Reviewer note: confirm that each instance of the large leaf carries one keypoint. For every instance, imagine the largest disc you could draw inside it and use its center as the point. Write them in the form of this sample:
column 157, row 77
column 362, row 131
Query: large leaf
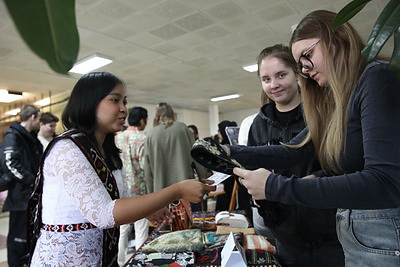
column 349, row 11
column 387, row 23
column 48, row 27
column 395, row 61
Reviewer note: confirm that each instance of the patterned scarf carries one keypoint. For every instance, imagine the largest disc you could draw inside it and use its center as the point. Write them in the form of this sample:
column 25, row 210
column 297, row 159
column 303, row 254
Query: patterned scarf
column 110, row 236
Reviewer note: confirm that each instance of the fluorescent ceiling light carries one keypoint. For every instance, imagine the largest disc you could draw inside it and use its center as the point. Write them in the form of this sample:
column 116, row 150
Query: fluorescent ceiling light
column 13, row 112
column 9, row 96
column 89, row 64
column 225, row 97
column 251, row 68
column 43, row 102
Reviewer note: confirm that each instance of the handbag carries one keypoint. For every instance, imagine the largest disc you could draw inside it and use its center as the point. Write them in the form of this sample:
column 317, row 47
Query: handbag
column 183, row 215
column 211, row 155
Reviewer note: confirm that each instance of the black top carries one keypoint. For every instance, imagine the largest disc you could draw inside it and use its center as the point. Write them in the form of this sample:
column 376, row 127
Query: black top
column 22, row 152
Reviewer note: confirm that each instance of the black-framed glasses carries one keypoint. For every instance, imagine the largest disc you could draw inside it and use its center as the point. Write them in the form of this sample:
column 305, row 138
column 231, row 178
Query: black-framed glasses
column 305, row 63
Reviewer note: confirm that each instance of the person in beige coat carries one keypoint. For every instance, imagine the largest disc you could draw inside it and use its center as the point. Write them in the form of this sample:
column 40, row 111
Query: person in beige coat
column 167, row 151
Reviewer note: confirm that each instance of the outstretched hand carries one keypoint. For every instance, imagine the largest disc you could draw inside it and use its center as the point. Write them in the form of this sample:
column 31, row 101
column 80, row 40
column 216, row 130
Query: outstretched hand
column 193, row 190
column 254, row 181
column 161, row 217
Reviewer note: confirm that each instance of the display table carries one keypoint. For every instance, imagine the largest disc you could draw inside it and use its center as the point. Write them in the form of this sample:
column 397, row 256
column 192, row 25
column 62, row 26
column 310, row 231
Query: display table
column 209, row 256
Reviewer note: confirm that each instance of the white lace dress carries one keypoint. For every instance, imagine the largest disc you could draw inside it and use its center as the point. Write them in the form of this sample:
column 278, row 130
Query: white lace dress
column 72, row 194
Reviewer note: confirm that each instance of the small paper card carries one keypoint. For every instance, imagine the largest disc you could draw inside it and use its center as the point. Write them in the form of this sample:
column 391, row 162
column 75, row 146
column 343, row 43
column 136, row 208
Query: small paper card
column 218, row 177
column 233, row 254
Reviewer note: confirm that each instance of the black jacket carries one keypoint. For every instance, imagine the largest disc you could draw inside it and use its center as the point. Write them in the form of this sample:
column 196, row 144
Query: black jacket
column 294, row 224
column 22, row 152
column 266, row 130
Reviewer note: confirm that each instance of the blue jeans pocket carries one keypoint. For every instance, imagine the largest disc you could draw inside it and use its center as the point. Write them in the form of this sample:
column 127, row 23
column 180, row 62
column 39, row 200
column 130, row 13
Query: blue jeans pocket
column 370, row 237
column 376, row 234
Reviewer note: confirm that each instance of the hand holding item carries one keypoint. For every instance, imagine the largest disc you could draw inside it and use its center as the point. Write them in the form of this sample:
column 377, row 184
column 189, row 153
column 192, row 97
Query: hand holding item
column 254, row 181
column 161, row 217
column 193, row 190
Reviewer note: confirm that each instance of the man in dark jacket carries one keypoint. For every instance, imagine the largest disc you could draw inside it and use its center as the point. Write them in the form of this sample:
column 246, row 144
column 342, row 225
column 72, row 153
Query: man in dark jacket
column 22, row 152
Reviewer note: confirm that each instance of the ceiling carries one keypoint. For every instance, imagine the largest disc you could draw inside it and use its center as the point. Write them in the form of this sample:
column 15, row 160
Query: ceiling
column 182, row 52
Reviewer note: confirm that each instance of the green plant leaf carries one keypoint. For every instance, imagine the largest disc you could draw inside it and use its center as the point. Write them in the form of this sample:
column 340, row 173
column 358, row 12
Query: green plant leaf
column 395, row 60
column 49, row 28
column 349, row 11
column 387, row 23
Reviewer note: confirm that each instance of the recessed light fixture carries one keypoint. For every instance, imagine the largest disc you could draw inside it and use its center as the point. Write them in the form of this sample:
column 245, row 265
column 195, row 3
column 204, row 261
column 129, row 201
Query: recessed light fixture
column 251, row 68
column 12, row 112
column 9, row 96
column 225, row 97
column 91, row 63
column 43, row 102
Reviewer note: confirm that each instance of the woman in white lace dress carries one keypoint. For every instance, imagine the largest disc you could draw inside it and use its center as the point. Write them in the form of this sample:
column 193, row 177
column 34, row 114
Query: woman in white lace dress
column 81, row 209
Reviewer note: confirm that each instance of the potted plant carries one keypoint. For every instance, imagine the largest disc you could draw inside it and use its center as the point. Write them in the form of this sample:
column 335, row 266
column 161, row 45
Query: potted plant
column 387, row 24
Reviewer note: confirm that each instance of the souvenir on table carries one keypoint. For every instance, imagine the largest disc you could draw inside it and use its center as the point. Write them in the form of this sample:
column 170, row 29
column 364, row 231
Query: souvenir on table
column 261, row 258
column 211, row 155
column 204, row 220
column 258, row 242
column 231, row 219
column 183, row 259
column 254, row 257
column 178, row 241
column 183, row 215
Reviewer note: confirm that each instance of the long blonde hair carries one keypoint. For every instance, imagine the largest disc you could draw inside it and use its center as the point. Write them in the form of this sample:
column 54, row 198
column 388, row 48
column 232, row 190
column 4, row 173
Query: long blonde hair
column 325, row 108
column 164, row 115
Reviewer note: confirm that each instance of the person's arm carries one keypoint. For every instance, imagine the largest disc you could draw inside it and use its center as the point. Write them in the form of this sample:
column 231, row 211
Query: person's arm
column 13, row 166
column 132, row 209
column 89, row 195
column 275, row 156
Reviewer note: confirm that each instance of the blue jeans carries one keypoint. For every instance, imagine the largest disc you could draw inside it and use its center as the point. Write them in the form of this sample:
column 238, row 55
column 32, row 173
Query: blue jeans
column 369, row 237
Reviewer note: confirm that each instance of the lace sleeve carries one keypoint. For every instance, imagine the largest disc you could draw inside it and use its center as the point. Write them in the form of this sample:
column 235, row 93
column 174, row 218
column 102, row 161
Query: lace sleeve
column 82, row 184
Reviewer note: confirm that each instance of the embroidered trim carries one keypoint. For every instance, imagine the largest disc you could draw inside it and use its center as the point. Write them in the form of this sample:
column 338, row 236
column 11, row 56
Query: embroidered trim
column 68, row 227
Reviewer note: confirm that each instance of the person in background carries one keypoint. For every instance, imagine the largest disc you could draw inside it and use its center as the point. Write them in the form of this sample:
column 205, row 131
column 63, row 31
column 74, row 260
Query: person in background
column 248, row 121
column 303, row 236
column 22, row 151
column 351, row 110
column 194, row 130
column 222, row 136
column 81, row 182
column 223, row 200
column 167, row 151
column 131, row 142
column 47, row 131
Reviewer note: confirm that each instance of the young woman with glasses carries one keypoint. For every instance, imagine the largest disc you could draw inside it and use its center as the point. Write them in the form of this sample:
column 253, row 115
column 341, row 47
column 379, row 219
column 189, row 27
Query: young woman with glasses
column 351, row 110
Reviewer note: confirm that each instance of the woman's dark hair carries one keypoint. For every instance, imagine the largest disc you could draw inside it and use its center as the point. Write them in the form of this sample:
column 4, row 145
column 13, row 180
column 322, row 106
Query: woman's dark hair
column 221, row 128
column 80, row 112
column 136, row 114
column 195, row 130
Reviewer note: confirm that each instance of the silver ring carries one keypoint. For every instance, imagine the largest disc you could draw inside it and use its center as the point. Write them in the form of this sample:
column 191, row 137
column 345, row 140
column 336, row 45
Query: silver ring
column 240, row 180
